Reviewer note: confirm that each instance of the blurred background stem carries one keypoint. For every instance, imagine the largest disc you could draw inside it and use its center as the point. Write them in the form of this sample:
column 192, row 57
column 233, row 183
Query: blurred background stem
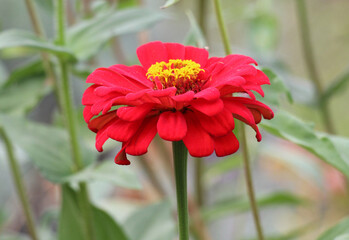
column 34, row 18
column 19, row 185
column 243, row 143
column 180, row 155
column 311, row 65
column 68, row 112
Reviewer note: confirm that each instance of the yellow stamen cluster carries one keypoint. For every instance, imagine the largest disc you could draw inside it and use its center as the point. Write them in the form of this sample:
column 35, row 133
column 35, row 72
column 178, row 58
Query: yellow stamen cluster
column 182, row 74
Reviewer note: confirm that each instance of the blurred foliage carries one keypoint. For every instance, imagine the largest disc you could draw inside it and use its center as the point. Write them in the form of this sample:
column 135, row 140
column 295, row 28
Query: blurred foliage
column 111, row 31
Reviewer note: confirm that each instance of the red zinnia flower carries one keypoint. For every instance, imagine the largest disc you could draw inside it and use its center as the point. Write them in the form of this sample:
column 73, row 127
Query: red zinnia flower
column 179, row 93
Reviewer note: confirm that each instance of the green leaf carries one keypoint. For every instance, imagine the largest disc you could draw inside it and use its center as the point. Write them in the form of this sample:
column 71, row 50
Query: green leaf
column 289, row 127
column 276, row 89
column 22, row 97
column 338, row 230
column 195, row 36
column 86, row 38
column 20, row 38
column 71, row 220
column 239, row 205
column 169, row 3
column 48, row 147
column 154, row 222
column 110, row 172
column 223, row 166
column 342, row 237
column 338, row 85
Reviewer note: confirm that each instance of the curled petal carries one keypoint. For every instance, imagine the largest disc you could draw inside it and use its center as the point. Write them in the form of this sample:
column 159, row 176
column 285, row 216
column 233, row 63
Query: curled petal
column 209, row 94
column 99, row 122
column 121, row 158
column 123, row 131
column 172, row 126
column 219, row 124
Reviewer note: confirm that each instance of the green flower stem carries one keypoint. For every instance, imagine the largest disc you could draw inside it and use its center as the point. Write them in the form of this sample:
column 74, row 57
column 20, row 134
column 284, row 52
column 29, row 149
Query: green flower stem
column 180, row 154
column 310, row 62
column 19, row 185
column 199, row 188
column 40, row 32
column 67, row 107
column 243, row 143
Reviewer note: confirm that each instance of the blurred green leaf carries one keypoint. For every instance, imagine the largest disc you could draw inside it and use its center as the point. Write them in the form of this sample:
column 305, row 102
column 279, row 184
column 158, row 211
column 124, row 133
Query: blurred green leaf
column 274, row 90
column 71, row 221
column 32, row 69
column 154, row 222
column 110, row 172
column 343, row 237
column 20, row 38
column 86, row 38
column 195, row 37
column 46, row 4
column 263, row 29
column 289, row 127
column 222, row 166
column 169, row 3
column 20, row 98
column 338, row 85
column 47, row 146
column 338, row 230
column 239, row 204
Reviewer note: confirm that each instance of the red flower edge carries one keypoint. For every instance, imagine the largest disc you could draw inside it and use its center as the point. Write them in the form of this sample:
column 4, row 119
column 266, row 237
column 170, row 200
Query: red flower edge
column 179, row 93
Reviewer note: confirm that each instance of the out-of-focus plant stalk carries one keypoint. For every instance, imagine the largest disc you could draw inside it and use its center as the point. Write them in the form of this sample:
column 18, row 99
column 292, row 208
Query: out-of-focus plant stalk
column 311, row 65
column 243, row 142
column 180, row 155
column 40, row 33
column 67, row 105
column 19, row 185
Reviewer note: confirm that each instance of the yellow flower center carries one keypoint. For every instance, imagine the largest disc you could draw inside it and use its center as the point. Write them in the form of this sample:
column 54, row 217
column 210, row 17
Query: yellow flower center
column 182, row 74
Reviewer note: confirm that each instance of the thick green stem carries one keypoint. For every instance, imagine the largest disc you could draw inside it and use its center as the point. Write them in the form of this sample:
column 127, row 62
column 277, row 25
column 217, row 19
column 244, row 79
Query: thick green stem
column 180, row 154
column 19, row 185
column 202, row 6
column 68, row 111
column 199, row 188
column 311, row 65
column 243, row 143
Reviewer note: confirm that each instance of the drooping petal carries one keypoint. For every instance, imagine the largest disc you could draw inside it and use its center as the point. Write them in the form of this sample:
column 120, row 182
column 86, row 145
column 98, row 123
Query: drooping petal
column 210, row 108
column 152, row 52
column 226, row 145
column 261, row 107
column 87, row 113
column 134, row 113
column 121, row 158
column 102, row 137
column 123, row 131
column 138, row 145
column 198, row 55
column 197, row 140
column 172, row 126
column 217, row 125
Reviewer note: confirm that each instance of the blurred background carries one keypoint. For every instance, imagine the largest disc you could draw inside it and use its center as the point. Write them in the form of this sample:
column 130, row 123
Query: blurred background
column 299, row 195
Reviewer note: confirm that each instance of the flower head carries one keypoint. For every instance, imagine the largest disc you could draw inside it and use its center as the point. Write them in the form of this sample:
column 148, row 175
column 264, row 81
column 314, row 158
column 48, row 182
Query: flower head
column 179, row 93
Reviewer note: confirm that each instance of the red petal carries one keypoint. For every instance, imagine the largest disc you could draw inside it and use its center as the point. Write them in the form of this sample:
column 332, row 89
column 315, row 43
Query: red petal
column 152, row 52
column 110, row 78
column 197, row 140
column 99, row 122
column 123, row 131
column 175, row 50
column 101, row 137
column 87, row 114
column 261, row 107
column 210, row 108
column 134, row 113
column 172, row 126
column 237, row 108
column 138, row 145
column 226, row 145
column 198, row 55
column 209, row 94
column 121, row 158
column 185, row 97
column 219, row 124
column 136, row 73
